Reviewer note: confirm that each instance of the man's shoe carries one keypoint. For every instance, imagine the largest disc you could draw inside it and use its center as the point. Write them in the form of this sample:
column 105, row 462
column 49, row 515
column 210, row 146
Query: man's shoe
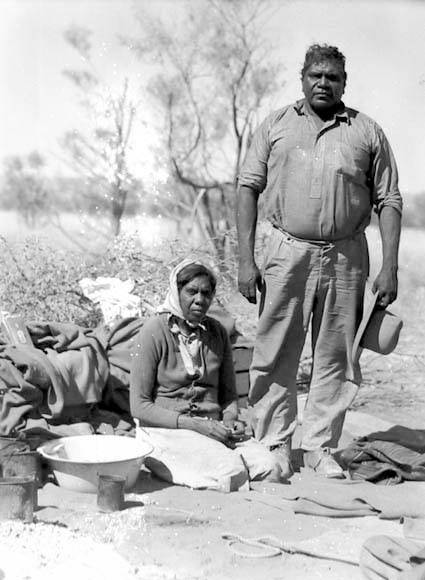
column 282, row 453
column 322, row 462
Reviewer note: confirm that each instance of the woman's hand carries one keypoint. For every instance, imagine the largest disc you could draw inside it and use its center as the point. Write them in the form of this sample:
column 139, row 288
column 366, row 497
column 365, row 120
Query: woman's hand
column 208, row 427
column 215, row 430
column 212, row 428
column 236, row 429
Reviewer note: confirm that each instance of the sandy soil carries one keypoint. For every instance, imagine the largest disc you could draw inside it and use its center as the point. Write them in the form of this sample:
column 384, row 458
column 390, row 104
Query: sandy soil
column 168, row 532
column 174, row 533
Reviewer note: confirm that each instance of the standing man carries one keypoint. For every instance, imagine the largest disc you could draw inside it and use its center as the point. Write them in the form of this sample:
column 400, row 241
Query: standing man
column 321, row 168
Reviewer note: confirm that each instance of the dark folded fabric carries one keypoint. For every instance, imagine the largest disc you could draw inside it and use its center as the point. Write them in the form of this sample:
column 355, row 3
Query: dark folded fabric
column 119, row 343
column 69, row 374
column 66, row 368
column 413, row 439
column 383, row 462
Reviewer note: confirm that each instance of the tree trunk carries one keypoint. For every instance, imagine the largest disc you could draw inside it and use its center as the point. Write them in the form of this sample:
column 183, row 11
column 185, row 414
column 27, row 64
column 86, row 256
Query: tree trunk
column 118, row 204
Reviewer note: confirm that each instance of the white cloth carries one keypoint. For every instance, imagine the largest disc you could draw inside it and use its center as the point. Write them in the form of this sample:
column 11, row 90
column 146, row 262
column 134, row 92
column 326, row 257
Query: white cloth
column 171, row 302
column 188, row 458
column 114, row 297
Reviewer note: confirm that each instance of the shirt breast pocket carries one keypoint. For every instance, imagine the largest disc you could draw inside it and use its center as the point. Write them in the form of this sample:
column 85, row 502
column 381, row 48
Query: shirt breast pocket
column 352, row 161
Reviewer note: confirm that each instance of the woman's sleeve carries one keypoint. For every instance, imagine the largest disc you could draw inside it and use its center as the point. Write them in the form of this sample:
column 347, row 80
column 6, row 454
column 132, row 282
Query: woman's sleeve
column 150, row 344
column 227, row 385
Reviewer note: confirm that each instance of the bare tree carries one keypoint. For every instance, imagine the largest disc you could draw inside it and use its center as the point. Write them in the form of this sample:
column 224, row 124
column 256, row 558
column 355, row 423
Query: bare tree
column 27, row 189
column 215, row 73
column 101, row 152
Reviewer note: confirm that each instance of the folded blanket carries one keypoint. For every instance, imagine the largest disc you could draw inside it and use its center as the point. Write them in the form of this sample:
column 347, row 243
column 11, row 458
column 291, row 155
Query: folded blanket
column 309, row 494
column 119, row 343
column 18, row 396
column 66, row 368
column 413, row 439
column 382, row 461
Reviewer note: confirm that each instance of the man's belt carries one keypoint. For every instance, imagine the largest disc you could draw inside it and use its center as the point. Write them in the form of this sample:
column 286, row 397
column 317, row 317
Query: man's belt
column 320, row 243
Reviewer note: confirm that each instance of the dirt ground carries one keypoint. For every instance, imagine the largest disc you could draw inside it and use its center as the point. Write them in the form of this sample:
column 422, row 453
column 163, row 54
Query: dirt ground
column 175, row 533
column 169, row 532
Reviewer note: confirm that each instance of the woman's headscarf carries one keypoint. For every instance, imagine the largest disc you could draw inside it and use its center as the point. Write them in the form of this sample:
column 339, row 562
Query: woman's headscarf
column 189, row 340
column 172, row 300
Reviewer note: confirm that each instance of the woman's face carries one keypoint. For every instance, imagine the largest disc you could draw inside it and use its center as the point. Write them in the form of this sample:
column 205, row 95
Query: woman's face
column 195, row 298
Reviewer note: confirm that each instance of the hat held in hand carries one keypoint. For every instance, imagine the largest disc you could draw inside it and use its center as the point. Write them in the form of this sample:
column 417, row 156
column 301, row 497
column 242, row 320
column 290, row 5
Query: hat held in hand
column 379, row 330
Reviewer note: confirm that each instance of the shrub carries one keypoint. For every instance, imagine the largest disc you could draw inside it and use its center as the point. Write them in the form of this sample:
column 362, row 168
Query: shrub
column 40, row 282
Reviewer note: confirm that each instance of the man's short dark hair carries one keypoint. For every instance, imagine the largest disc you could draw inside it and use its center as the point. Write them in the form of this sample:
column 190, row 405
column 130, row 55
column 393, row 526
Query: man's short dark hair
column 321, row 52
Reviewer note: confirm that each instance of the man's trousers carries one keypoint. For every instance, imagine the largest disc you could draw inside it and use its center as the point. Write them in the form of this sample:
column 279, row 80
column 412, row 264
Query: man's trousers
column 303, row 281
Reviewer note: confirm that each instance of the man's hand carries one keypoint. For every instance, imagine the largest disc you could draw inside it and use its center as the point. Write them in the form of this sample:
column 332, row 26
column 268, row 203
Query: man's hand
column 385, row 285
column 249, row 280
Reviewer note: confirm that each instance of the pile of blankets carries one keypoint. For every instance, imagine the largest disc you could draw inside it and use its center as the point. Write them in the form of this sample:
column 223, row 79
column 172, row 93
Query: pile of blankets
column 69, row 370
column 386, row 457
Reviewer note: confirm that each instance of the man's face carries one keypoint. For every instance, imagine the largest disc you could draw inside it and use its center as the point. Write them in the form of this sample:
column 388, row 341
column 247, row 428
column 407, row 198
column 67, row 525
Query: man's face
column 323, row 84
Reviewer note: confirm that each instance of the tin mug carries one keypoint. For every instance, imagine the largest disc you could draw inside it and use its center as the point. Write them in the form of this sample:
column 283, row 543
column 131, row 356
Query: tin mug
column 110, row 493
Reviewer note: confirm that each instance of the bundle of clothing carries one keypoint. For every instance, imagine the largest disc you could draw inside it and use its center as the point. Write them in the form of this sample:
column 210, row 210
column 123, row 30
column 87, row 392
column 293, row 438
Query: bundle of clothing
column 67, row 372
column 386, row 457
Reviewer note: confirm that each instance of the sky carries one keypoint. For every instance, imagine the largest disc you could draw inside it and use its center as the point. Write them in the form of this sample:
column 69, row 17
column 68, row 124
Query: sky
column 383, row 41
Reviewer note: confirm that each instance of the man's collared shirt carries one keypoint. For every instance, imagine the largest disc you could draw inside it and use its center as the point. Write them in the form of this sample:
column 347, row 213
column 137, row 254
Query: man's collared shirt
column 321, row 181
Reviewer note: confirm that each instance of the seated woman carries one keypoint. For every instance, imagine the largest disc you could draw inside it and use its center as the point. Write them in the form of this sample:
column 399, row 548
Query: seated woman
column 183, row 377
